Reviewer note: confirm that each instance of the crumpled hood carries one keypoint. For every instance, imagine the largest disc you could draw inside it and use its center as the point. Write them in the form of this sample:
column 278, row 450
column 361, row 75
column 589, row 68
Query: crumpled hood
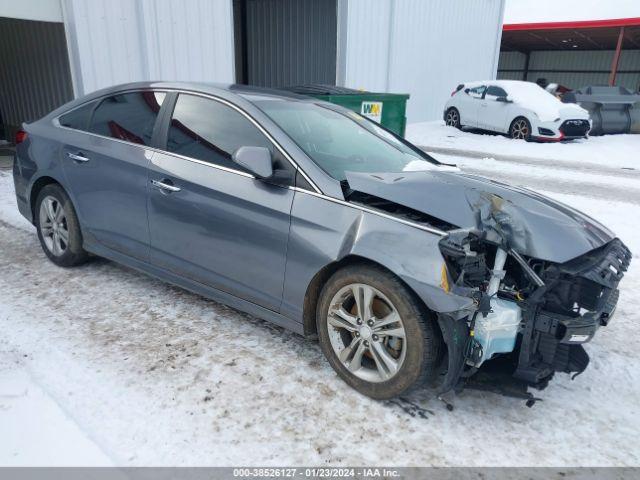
column 531, row 224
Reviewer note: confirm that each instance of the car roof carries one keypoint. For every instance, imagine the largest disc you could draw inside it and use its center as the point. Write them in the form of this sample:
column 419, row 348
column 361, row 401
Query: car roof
column 249, row 92
column 241, row 95
column 497, row 83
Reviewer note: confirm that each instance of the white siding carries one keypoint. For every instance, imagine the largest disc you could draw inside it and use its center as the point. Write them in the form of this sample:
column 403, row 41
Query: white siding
column 424, row 48
column 41, row 10
column 128, row 40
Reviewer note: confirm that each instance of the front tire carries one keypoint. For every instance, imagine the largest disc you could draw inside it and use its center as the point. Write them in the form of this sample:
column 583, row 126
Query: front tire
column 375, row 333
column 520, row 129
column 452, row 118
column 58, row 227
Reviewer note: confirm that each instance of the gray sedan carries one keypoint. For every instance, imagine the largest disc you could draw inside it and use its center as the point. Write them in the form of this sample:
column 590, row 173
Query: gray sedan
column 321, row 221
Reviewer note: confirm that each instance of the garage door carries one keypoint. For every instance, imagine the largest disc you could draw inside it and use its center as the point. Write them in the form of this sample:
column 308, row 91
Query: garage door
column 34, row 71
column 285, row 42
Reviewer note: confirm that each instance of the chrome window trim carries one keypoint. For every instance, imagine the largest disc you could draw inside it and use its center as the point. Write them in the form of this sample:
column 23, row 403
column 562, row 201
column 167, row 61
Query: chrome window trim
column 372, row 211
column 164, row 152
column 56, row 122
column 318, row 193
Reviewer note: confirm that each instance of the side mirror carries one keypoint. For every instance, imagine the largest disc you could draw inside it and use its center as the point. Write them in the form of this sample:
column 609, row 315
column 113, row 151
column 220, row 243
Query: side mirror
column 504, row 99
column 255, row 159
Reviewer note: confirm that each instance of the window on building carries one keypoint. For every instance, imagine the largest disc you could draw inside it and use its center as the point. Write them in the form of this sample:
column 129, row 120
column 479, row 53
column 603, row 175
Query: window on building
column 129, row 116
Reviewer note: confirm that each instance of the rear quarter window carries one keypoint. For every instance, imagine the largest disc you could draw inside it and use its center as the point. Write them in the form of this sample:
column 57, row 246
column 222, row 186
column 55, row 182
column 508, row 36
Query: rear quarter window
column 78, row 119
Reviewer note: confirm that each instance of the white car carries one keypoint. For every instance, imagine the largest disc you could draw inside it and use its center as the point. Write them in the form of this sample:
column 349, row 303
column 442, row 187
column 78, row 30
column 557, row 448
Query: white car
column 522, row 110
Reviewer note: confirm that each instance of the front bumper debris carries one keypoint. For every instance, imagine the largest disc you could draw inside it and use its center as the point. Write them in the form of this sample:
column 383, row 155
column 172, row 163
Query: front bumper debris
column 564, row 307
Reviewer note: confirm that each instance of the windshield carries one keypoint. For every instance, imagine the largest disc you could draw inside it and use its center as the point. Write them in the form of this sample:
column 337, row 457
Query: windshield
column 341, row 141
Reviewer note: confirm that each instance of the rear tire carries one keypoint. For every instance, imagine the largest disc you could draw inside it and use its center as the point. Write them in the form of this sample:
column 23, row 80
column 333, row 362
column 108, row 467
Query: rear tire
column 520, row 129
column 58, row 227
column 452, row 118
column 387, row 354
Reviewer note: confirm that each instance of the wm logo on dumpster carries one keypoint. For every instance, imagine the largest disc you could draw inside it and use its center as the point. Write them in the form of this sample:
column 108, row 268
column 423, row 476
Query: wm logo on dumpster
column 372, row 110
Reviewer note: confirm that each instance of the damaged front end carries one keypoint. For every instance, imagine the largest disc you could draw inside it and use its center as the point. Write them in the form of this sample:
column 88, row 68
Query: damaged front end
column 532, row 315
column 542, row 276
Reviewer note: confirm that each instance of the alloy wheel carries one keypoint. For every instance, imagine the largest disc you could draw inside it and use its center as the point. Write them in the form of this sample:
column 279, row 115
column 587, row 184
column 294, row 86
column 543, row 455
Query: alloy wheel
column 366, row 332
column 53, row 226
column 520, row 130
column 452, row 119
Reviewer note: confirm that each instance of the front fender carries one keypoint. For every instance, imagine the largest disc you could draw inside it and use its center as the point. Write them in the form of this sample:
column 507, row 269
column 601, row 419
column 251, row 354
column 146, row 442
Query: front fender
column 324, row 232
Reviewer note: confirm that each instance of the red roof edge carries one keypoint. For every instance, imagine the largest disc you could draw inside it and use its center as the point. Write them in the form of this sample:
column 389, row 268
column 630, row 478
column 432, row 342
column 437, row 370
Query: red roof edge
column 614, row 22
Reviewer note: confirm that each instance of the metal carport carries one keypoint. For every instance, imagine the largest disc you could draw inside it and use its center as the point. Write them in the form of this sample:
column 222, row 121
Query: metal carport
column 574, row 53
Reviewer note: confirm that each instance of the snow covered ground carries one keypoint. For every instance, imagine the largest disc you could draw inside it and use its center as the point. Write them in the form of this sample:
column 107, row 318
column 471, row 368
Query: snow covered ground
column 136, row 372
column 621, row 151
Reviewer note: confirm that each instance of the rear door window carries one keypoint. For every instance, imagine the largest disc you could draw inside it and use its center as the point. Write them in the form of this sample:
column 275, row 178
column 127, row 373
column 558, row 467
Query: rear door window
column 494, row 92
column 476, row 92
column 128, row 116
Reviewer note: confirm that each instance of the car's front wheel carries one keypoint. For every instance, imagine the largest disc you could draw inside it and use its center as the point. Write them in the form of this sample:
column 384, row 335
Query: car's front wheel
column 375, row 333
column 520, row 129
column 58, row 227
column 452, row 118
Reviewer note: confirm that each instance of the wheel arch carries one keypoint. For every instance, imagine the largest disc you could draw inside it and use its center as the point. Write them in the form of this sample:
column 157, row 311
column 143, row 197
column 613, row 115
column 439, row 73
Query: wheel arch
column 319, row 280
column 37, row 187
column 518, row 116
column 457, row 109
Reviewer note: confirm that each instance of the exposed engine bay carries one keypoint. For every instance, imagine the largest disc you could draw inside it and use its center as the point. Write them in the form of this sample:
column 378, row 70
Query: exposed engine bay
column 535, row 314
column 543, row 278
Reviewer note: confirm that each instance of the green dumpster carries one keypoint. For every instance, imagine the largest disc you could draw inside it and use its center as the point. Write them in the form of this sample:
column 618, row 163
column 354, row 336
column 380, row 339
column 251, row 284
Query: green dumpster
column 387, row 109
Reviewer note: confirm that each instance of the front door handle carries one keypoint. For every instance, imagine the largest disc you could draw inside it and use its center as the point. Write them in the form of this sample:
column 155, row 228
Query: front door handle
column 77, row 157
column 161, row 184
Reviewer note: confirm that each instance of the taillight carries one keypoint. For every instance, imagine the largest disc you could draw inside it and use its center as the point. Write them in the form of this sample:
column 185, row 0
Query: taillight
column 21, row 136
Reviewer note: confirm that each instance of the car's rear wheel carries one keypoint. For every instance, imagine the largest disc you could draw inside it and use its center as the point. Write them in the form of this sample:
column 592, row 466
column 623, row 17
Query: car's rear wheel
column 58, row 227
column 375, row 333
column 520, row 129
column 452, row 118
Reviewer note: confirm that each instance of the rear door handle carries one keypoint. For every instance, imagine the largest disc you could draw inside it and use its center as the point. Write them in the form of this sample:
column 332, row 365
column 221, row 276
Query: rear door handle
column 77, row 157
column 161, row 184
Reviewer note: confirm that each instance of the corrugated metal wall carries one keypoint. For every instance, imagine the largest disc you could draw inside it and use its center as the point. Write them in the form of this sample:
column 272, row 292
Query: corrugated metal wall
column 128, row 40
column 34, row 70
column 573, row 69
column 290, row 42
column 424, row 48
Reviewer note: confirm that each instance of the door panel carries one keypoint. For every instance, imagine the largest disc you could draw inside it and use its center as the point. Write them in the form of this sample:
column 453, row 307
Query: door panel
column 109, row 190
column 493, row 114
column 221, row 228
column 470, row 101
column 209, row 219
column 105, row 159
